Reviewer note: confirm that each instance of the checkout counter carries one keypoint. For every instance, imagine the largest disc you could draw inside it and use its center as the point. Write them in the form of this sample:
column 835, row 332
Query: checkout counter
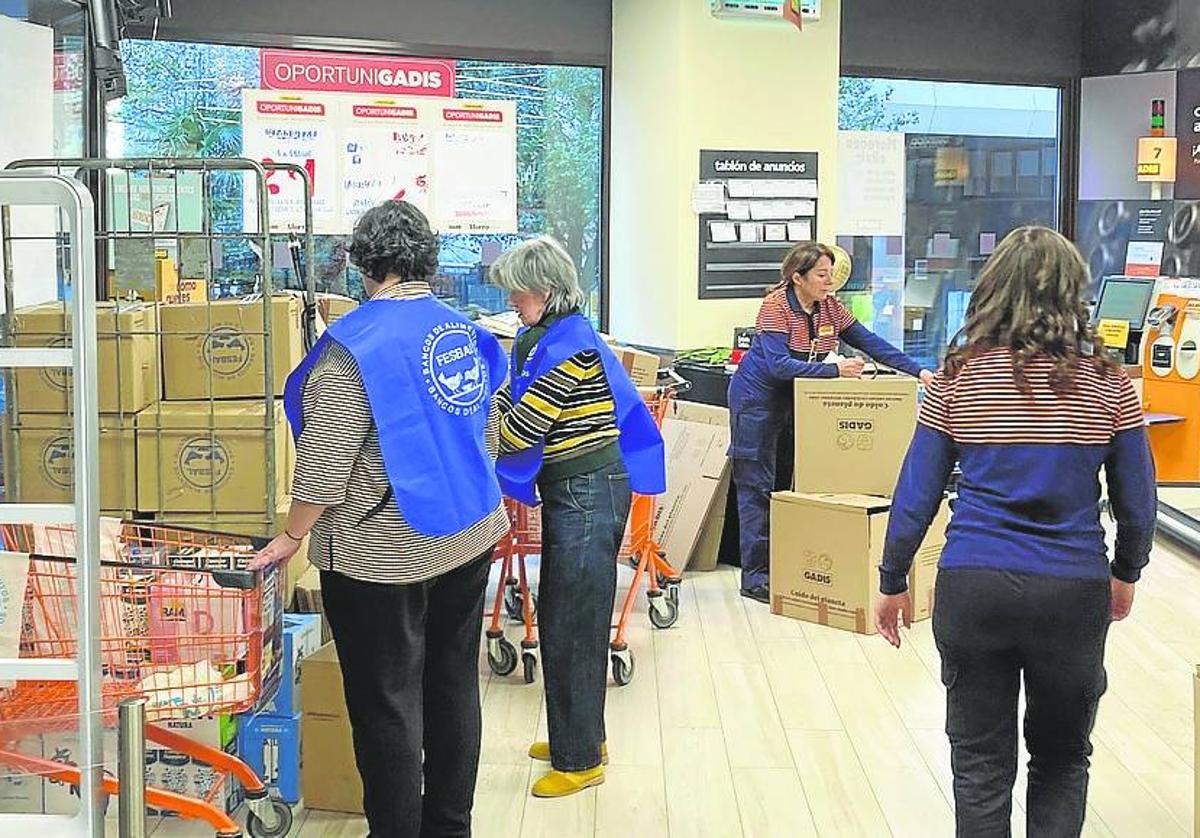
column 1160, row 322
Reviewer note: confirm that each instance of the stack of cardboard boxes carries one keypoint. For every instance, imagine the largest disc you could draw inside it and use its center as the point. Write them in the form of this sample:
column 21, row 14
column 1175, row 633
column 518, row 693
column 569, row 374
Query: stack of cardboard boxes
column 827, row 535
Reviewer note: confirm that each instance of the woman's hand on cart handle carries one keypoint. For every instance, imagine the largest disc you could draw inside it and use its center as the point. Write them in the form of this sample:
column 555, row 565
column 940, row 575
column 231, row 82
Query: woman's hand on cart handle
column 926, row 377
column 281, row 548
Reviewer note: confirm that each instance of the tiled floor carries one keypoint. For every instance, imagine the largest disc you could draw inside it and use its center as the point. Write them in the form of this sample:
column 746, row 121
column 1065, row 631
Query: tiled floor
column 739, row 723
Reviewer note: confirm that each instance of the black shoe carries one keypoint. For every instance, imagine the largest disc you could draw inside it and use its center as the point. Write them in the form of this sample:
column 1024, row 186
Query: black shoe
column 761, row 593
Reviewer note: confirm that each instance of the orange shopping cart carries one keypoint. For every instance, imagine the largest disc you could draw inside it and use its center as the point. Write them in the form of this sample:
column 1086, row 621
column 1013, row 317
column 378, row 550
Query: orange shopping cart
column 183, row 625
column 640, row 550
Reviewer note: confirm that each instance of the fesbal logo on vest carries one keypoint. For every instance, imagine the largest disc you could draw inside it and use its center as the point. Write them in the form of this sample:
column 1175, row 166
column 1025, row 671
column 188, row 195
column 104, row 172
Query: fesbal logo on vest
column 454, row 373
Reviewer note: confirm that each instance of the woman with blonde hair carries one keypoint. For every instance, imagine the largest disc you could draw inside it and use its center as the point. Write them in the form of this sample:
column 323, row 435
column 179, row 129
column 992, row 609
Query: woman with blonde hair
column 1031, row 413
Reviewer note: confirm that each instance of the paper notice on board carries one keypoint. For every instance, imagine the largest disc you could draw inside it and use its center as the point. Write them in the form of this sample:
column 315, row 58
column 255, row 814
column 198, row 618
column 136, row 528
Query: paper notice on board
column 750, row 233
column 386, row 155
column 474, row 193
column 799, row 231
column 775, row 232
column 741, row 189
column 738, row 210
column 708, row 198
column 723, row 232
column 1143, row 258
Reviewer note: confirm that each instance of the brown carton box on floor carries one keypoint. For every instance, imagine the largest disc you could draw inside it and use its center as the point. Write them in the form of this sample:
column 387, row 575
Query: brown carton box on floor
column 185, row 467
column 852, row 434
column 41, row 462
column 127, row 360
column 697, row 441
column 329, row 776
column 217, row 348
column 825, row 554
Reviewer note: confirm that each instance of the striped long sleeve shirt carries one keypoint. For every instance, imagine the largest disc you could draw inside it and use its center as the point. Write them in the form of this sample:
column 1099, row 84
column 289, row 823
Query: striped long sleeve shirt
column 1028, row 500
column 339, row 465
column 571, row 410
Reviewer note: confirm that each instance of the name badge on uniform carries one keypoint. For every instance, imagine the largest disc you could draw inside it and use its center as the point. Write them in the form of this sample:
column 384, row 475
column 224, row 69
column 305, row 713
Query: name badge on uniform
column 825, row 331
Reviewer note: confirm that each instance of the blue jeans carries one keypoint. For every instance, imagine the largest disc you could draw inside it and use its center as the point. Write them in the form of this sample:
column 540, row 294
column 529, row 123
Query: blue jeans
column 583, row 522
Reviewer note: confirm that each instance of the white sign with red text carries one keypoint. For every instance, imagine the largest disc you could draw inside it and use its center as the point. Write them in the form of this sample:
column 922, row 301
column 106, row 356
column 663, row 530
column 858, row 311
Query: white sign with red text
column 453, row 158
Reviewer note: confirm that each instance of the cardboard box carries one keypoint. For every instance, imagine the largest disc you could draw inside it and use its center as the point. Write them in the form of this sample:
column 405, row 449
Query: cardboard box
column 329, row 777
column 301, row 638
column 216, row 349
column 706, row 553
column 127, row 362
column 177, row 772
column 308, row 598
column 641, row 366
column 697, row 442
column 852, row 434
column 41, row 461
column 825, row 554
column 332, row 307
column 60, row 798
column 271, row 746
column 22, row 793
column 206, row 456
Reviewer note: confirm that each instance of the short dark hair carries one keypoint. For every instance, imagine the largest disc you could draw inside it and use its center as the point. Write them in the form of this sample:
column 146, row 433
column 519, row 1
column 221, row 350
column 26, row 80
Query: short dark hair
column 395, row 238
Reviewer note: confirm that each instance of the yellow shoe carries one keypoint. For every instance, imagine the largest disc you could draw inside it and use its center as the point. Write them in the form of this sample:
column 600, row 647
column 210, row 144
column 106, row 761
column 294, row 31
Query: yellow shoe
column 541, row 752
column 565, row 783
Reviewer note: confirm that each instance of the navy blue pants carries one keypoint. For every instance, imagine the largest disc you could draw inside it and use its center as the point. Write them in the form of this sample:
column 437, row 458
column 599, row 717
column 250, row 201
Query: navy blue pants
column 583, row 523
column 757, row 424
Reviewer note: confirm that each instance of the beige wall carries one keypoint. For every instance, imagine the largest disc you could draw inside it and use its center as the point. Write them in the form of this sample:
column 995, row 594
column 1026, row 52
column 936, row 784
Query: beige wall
column 682, row 81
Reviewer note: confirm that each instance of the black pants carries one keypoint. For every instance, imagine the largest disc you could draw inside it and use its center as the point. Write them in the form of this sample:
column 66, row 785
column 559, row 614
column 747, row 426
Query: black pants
column 991, row 627
column 410, row 662
column 583, row 521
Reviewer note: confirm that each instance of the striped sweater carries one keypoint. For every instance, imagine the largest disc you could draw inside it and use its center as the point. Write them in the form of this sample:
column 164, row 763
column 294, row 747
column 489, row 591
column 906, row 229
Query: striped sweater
column 571, row 409
column 1029, row 496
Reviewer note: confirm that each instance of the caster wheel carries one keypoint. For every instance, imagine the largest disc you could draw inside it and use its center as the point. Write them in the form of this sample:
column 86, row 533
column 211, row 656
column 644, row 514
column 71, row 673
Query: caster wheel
column 664, row 612
column 622, row 668
column 502, row 656
column 281, row 813
column 673, row 592
column 514, row 608
column 529, row 661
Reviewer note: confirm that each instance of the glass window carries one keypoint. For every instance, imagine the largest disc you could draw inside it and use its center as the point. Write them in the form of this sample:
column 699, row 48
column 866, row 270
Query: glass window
column 979, row 161
column 559, row 154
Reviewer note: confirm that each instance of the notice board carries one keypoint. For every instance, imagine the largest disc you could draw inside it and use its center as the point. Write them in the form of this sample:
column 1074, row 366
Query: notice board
column 767, row 203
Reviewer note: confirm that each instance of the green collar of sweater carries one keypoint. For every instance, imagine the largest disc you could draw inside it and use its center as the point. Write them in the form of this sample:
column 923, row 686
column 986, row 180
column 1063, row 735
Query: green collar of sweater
column 528, row 339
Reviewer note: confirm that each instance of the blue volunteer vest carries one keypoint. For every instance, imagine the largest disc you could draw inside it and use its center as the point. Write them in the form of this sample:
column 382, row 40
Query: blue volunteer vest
column 429, row 374
column 641, row 443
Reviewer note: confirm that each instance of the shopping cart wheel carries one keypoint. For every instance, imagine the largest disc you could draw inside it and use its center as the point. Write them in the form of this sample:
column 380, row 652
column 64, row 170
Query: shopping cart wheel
column 664, row 611
column 514, row 607
column 622, row 667
column 529, row 662
column 502, row 656
column 281, row 813
column 673, row 591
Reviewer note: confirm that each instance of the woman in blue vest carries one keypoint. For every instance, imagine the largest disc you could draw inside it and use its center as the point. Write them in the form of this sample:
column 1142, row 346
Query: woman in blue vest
column 395, row 488
column 799, row 324
column 574, row 431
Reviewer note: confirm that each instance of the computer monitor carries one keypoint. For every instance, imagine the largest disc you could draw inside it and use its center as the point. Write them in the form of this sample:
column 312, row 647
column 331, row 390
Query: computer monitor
column 1125, row 298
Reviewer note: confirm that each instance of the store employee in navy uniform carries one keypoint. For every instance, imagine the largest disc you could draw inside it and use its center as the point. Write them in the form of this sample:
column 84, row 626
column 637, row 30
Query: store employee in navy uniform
column 799, row 324
column 396, row 487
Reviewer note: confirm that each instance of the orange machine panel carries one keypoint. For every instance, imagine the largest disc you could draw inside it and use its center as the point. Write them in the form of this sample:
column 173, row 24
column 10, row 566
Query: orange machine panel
column 1176, row 446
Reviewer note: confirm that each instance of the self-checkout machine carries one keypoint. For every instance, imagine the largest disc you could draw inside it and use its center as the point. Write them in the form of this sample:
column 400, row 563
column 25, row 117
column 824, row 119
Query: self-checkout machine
column 1171, row 360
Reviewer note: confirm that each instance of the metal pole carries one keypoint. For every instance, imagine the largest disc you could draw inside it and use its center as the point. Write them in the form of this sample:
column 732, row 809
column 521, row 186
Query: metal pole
column 131, row 768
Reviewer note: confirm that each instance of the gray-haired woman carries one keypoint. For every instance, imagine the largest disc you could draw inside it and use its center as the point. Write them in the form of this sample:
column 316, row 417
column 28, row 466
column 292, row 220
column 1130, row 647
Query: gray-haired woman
column 580, row 436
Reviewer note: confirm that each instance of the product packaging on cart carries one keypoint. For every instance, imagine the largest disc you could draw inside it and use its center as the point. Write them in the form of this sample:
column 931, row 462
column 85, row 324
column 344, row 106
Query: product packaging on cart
column 330, row 781
column 852, row 434
column 197, row 456
column 825, row 554
column 127, row 361
column 216, row 349
column 301, row 638
column 271, row 746
column 21, row 793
